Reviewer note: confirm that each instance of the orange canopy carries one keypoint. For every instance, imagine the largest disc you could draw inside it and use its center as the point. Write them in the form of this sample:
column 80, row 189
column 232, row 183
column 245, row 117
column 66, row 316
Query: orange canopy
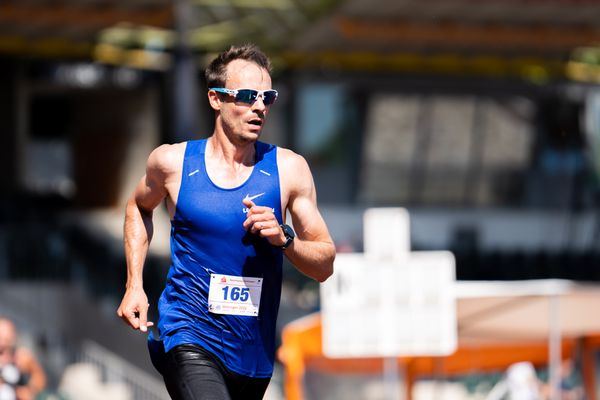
column 499, row 323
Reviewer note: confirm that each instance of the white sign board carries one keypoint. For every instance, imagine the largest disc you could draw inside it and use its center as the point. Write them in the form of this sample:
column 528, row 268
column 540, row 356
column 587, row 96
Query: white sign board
column 398, row 304
column 386, row 233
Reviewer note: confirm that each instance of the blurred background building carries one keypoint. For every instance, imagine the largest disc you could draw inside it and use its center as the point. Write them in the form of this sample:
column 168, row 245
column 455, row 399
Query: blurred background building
column 480, row 117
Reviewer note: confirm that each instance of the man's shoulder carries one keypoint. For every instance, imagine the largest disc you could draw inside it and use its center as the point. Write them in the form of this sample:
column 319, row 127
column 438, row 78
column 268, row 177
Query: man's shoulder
column 169, row 150
column 167, row 157
column 294, row 170
column 289, row 158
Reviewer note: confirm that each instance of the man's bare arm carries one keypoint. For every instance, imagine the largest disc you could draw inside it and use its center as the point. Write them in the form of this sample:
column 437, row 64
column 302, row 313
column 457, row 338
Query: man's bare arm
column 137, row 230
column 313, row 250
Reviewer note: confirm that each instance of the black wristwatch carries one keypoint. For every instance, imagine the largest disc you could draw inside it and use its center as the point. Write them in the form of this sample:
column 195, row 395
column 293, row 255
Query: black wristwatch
column 289, row 236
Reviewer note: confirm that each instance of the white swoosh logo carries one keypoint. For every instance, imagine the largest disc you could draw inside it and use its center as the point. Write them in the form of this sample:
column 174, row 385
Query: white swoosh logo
column 248, row 197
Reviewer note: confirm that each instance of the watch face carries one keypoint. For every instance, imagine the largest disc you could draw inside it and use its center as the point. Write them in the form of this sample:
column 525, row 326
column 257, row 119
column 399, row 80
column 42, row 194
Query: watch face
column 289, row 234
column 288, row 231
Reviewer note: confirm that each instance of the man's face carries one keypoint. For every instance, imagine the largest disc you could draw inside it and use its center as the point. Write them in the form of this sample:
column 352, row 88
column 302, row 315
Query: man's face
column 244, row 122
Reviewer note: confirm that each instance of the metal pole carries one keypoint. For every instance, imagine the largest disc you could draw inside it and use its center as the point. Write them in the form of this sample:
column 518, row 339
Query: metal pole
column 391, row 380
column 185, row 81
column 554, row 347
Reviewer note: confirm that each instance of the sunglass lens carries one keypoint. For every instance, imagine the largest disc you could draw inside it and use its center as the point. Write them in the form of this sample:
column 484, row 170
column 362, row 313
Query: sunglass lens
column 246, row 95
column 269, row 97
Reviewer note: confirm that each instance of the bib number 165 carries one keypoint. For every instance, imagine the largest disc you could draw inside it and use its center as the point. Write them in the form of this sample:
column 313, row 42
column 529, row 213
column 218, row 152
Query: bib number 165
column 235, row 293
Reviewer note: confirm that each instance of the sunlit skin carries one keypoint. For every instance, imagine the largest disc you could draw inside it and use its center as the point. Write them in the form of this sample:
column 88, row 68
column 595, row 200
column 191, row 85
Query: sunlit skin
column 229, row 161
column 230, row 150
column 233, row 119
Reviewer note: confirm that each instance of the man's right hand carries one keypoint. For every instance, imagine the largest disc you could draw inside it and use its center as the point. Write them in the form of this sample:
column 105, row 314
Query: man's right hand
column 134, row 309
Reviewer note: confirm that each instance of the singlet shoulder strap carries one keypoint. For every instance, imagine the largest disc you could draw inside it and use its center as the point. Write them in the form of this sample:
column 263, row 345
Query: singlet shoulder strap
column 195, row 148
column 265, row 151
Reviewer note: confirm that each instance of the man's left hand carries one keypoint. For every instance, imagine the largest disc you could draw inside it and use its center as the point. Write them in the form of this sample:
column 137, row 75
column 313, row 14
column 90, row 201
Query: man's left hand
column 261, row 221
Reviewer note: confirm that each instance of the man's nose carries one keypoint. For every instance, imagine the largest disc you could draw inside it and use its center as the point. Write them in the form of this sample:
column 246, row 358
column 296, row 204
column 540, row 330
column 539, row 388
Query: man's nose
column 259, row 103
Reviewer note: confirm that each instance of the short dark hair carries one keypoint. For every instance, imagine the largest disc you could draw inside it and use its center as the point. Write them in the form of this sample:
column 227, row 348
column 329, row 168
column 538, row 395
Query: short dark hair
column 216, row 72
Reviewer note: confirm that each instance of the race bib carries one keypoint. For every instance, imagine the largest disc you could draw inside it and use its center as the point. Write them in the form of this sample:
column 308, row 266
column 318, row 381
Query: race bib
column 234, row 295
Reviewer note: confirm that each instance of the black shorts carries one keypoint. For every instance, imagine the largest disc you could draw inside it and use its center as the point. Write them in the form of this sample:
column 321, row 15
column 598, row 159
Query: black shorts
column 192, row 373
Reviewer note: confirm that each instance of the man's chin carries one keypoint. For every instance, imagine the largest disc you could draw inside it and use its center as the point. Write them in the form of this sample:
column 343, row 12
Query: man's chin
column 251, row 136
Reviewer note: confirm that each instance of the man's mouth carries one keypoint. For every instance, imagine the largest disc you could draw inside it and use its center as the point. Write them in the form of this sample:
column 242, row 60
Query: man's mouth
column 256, row 122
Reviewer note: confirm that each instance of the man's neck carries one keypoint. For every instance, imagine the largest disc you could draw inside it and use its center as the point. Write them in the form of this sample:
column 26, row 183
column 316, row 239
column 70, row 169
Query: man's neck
column 221, row 147
column 228, row 165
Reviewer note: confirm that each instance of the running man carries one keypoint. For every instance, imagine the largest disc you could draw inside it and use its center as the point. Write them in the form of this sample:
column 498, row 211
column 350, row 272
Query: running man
column 227, row 197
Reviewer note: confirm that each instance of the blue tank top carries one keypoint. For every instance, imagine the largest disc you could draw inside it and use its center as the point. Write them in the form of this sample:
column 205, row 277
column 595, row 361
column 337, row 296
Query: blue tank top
column 207, row 237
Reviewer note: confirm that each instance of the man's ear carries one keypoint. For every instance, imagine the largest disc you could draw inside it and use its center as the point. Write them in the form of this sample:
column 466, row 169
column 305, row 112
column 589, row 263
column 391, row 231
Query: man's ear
column 214, row 100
